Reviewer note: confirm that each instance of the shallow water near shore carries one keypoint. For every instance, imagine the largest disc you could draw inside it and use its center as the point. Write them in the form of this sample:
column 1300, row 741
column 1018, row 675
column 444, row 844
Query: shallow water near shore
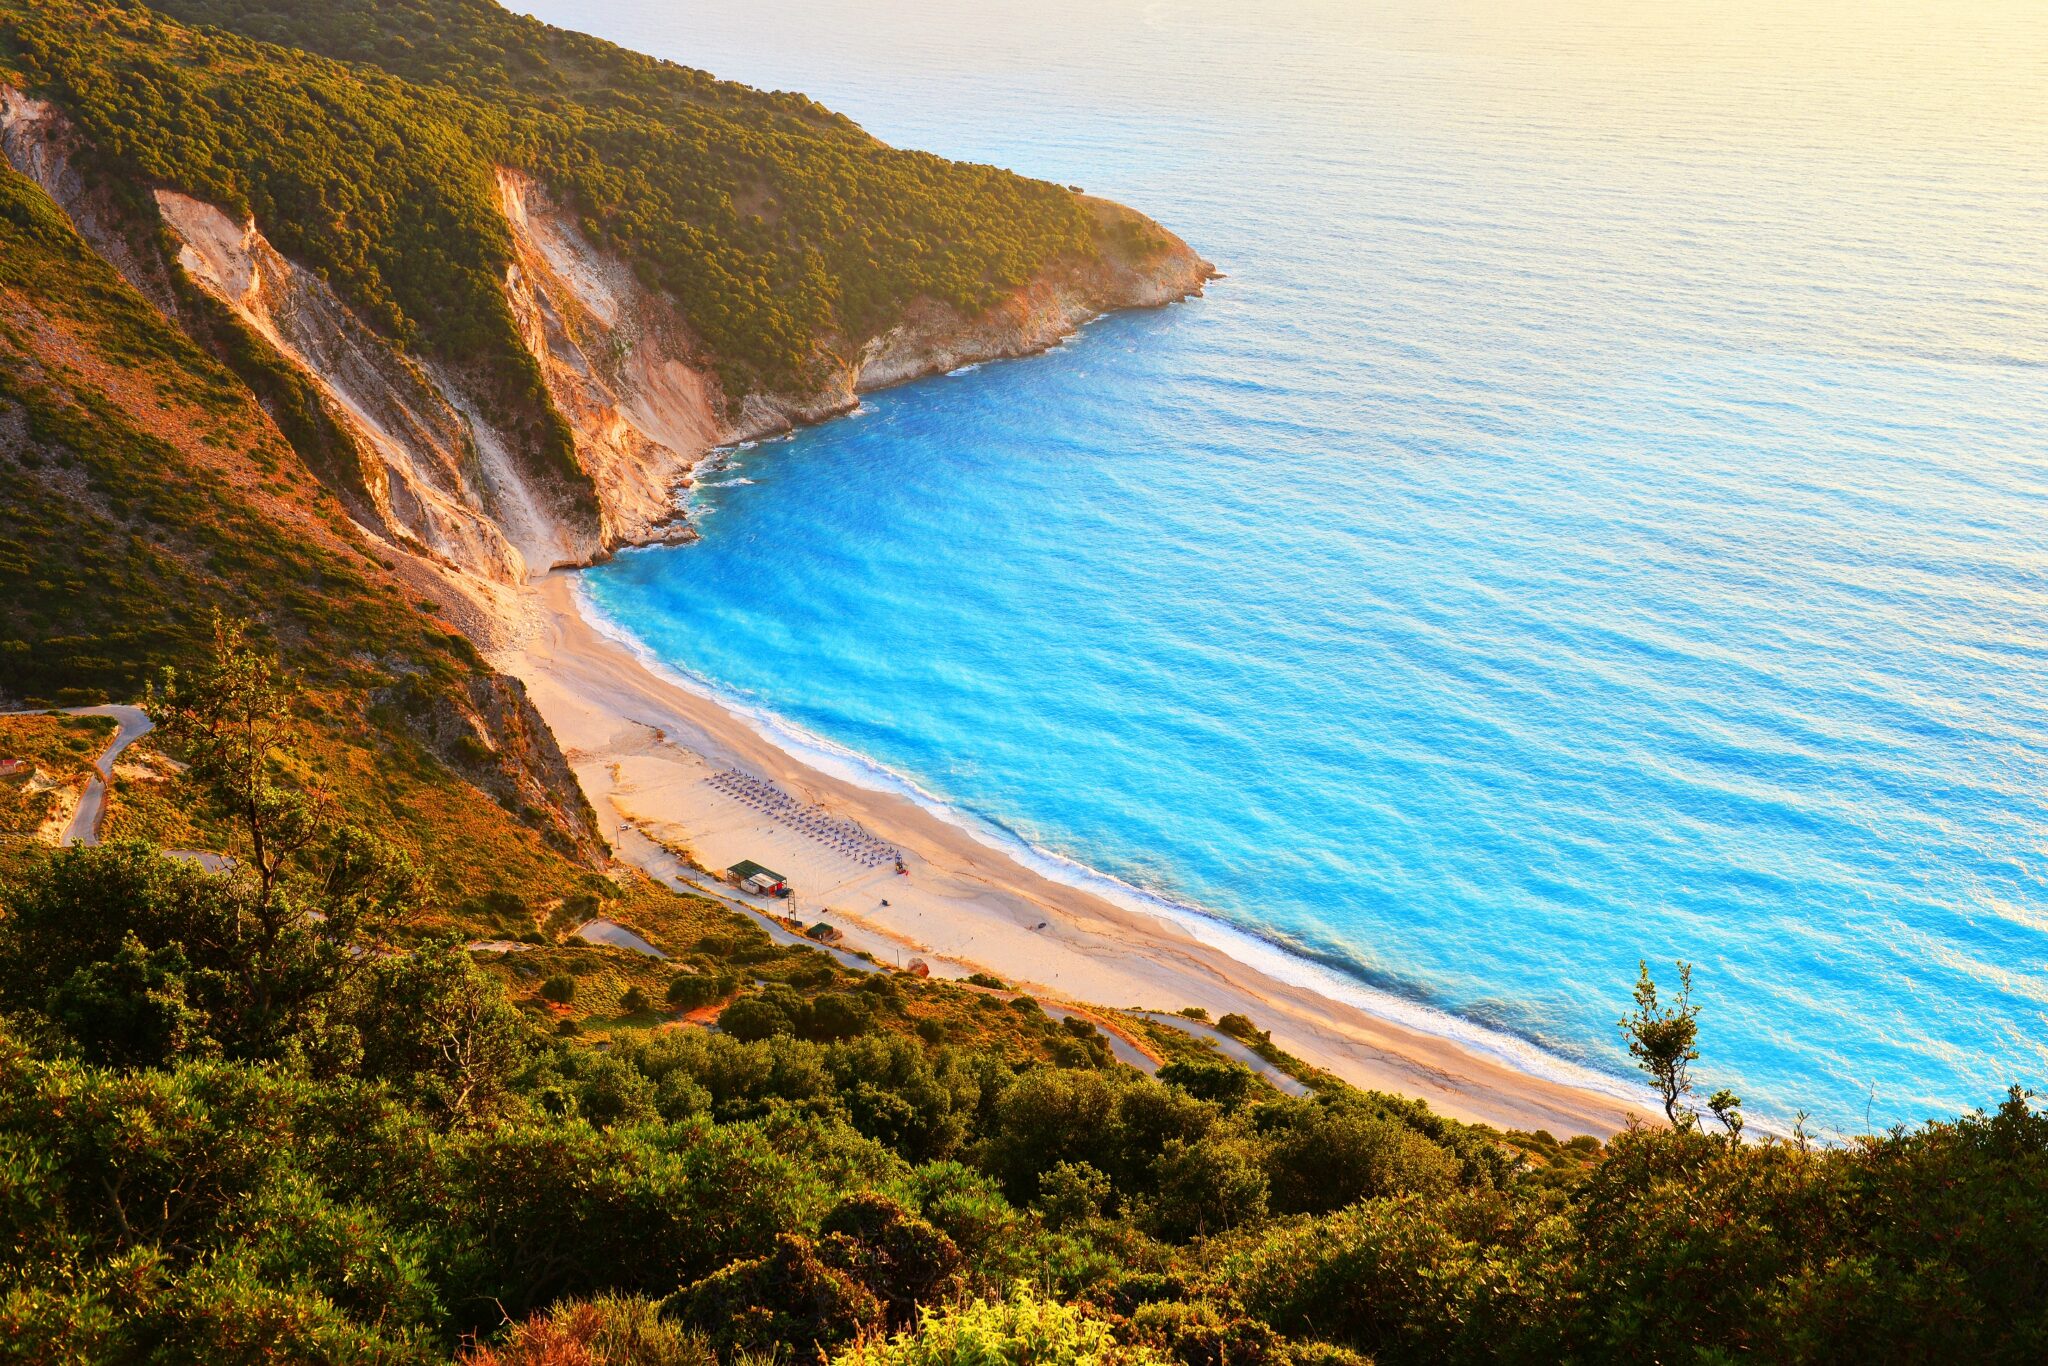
column 1601, row 516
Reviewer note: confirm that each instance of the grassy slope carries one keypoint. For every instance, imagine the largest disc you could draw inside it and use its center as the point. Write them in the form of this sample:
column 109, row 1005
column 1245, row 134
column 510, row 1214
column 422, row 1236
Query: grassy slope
column 58, row 752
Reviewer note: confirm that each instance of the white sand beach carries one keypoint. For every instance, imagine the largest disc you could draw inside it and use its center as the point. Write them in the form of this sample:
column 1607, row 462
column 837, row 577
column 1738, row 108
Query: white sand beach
column 646, row 748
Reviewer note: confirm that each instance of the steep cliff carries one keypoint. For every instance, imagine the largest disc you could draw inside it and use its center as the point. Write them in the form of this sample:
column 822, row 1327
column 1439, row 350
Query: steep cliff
column 143, row 489
column 644, row 397
column 619, row 362
column 640, row 392
column 503, row 286
column 439, row 477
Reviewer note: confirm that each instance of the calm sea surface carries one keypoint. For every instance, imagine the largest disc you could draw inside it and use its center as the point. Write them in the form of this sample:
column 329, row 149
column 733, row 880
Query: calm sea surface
column 1604, row 514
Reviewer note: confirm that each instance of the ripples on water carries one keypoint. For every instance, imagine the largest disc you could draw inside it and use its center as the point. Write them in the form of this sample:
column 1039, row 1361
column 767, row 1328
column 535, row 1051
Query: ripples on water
column 1600, row 517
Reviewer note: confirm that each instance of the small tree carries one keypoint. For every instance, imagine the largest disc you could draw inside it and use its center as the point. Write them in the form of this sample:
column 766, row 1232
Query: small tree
column 692, row 989
column 1727, row 1107
column 438, row 1027
column 241, row 962
column 1663, row 1040
column 233, row 722
column 559, row 988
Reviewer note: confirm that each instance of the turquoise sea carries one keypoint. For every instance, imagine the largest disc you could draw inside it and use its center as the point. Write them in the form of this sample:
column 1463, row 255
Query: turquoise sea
column 1603, row 515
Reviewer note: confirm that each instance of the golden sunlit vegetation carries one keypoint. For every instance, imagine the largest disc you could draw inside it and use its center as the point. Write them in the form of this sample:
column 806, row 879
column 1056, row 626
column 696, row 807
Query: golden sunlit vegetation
column 52, row 756
column 142, row 489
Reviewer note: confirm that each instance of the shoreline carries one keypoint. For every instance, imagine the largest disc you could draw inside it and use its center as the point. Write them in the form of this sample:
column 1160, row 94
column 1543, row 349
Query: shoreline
column 643, row 746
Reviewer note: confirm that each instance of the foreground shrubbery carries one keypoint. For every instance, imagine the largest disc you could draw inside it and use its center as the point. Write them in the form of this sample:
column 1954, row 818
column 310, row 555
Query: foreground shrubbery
column 237, row 1124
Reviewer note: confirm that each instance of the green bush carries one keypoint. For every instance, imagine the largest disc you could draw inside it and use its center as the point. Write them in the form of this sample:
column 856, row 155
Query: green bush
column 560, row 988
column 1220, row 1080
column 690, row 990
column 1021, row 1328
column 783, row 230
column 1333, row 1154
column 1241, row 1027
column 790, row 1299
column 1203, row 1188
column 1071, row 1193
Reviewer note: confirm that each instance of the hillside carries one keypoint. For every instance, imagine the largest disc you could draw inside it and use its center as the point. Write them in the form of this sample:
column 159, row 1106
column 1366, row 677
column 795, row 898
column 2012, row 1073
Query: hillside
column 292, row 1128
column 503, row 286
column 142, row 490
column 304, row 342
column 321, row 327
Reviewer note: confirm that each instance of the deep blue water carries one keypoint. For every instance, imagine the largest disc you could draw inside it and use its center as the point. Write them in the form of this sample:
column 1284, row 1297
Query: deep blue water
column 1603, row 515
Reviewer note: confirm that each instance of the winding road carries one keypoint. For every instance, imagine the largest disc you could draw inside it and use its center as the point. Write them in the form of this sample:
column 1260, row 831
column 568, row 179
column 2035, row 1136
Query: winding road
column 134, row 723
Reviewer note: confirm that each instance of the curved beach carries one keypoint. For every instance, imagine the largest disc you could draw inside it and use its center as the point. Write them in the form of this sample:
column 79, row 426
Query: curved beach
column 644, row 747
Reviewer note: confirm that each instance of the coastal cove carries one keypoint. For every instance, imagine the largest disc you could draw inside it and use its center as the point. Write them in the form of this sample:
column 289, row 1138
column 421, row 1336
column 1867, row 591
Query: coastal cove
column 1072, row 682
column 644, row 746
column 1529, row 560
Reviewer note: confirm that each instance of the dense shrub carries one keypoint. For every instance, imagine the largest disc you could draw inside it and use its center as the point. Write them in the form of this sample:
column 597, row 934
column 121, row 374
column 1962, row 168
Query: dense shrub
column 1020, row 1328
column 1330, row 1155
column 790, row 1299
column 610, row 1330
column 1220, row 1080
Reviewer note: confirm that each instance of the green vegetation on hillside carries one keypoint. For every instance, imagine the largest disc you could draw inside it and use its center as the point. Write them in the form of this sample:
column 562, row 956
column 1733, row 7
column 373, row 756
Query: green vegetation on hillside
column 283, row 1113
column 778, row 224
column 289, row 1136
column 782, row 230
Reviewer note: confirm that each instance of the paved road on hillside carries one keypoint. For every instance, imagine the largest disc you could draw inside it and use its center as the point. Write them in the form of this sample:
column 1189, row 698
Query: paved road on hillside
column 1230, row 1048
column 134, row 724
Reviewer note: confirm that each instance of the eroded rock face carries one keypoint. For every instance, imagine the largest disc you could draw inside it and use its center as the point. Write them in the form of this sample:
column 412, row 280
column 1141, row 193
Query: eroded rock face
column 619, row 362
column 439, row 477
column 38, row 141
column 643, row 397
column 932, row 340
column 493, row 735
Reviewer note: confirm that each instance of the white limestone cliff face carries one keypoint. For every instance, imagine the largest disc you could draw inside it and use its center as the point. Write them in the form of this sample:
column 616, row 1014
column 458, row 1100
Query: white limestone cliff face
column 437, row 479
column 618, row 361
column 438, row 475
column 623, row 366
column 933, row 339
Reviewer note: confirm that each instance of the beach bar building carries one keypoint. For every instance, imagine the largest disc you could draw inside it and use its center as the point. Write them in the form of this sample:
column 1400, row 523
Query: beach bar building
column 750, row 876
